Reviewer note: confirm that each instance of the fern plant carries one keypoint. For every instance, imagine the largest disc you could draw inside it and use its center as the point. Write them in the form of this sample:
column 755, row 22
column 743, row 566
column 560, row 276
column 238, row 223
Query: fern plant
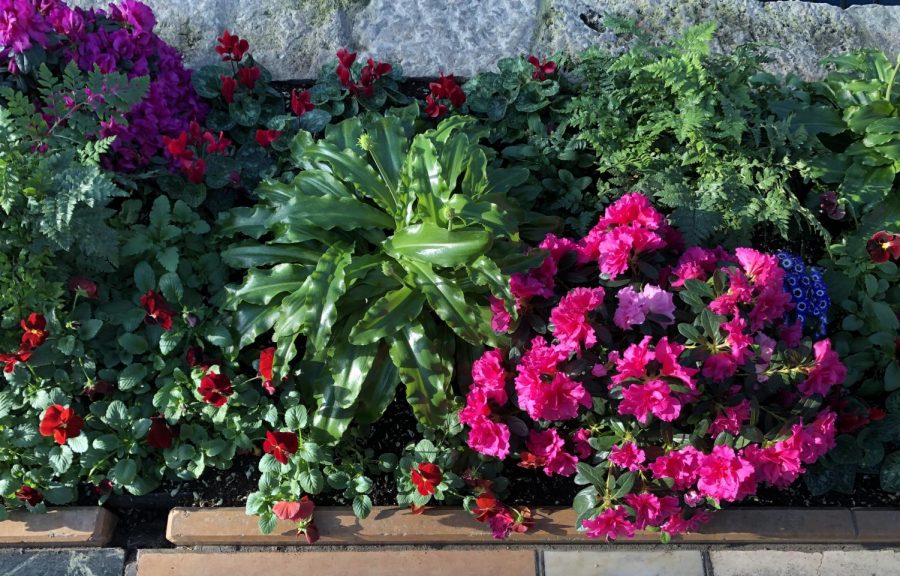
column 691, row 129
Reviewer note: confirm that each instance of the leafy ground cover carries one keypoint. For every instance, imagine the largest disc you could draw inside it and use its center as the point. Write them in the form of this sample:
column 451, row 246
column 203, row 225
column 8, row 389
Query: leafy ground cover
column 581, row 270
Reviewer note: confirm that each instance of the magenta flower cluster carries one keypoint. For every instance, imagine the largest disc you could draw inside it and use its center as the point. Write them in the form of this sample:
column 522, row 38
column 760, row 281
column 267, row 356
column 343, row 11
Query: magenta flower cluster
column 669, row 365
column 120, row 39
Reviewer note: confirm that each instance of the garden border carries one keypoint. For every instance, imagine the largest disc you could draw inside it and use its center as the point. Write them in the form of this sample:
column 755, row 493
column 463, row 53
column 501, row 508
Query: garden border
column 78, row 526
column 390, row 525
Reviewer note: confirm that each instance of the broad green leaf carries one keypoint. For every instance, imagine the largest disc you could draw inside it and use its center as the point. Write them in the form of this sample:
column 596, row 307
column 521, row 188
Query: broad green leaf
column 448, row 301
column 248, row 221
column 429, row 243
column 336, row 398
column 388, row 147
column 485, row 272
column 423, row 174
column 328, row 212
column 500, row 222
column 426, row 377
column 379, row 389
column 251, row 321
column 254, row 254
column 362, row 506
column 261, row 286
column 387, row 315
column 317, row 183
column 454, row 155
column 354, row 169
column 144, row 278
column 326, row 286
column 818, row 119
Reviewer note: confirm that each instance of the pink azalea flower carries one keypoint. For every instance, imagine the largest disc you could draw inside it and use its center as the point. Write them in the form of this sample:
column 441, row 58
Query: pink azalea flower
column 542, row 391
column 609, row 524
column 719, row 367
column 562, row 464
column 722, row 474
column 762, row 268
column 548, row 447
column 816, row 439
column 635, row 306
column 489, row 438
column 627, row 456
column 640, row 400
column 476, row 407
column 557, row 247
column 778, row 465
column 582, row 447
column 632, row 209
column 569, row 318
column 500, row 318
column 731, row 419
column 791, row 334
column 771, row 304
column 633, row 362
column 698, row 264
column 489, row 375
column 667, row 355
column 650, row 510
column 736, row 338
column 679, row 465
column 678, row 524
column 828, row 371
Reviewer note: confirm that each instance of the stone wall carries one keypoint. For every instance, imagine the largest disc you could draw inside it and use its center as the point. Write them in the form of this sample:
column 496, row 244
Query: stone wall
column 293, row 38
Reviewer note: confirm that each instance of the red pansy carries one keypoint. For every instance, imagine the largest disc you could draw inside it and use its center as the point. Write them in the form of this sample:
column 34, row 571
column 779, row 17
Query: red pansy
column 249, row 75
column 281, row 445
column 266, row 361
column 160, row 434
column 265, row 137
column 311, row 532
column 301, row 102
column 426, row 478
column 158, row 310
column 486, row 506
column 34, row 331
column 61, row 422
column 883, row 246
column 215, row 389
column 542, row 68
column 231, row 47
column 104, row 487
column 295, row 511
column 29, row 495
column 12, row 359
column 229, row 85
column 83, row 287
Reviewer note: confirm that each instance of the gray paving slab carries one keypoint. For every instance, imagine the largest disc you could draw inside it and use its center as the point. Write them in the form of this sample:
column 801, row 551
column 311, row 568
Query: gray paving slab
column 99, row 562
column 619, row 563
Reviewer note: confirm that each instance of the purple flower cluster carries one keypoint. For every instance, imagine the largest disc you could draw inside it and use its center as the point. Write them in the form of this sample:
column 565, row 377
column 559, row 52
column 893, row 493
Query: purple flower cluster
column 119, row 39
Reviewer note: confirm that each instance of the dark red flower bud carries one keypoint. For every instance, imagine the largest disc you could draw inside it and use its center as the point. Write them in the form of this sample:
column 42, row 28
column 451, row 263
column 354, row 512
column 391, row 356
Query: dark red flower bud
column 229, row 85
column 83, row 287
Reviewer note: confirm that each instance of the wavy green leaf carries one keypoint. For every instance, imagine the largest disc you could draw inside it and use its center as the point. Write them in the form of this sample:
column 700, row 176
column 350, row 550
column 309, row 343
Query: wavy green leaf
column 432, row 244
column 379, row 389
column 423, row 175
column 328, row 212
column 251, row 321
column 326, row 286
column 261, row 286
column 426, row 377
column 388, row 147
column 356, row 170
column 449, row 302
column 251, row 255
column 387, row 315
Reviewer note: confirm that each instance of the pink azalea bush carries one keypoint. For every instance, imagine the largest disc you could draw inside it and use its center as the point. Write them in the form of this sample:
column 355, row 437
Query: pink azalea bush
column 667, row 381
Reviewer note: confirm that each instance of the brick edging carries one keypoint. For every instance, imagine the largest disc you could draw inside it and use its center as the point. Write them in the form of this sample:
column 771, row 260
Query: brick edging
column 388, row 525
column 88, row 526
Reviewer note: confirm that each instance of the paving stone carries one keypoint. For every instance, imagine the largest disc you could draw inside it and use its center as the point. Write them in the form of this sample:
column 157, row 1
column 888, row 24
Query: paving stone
column 75, row 526
column 101, row 562
column 341, row 563
column 785, row 563
column 615, row 563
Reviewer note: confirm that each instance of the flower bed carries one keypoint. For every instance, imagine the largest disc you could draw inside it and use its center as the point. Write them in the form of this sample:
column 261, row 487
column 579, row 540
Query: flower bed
column 580, row 267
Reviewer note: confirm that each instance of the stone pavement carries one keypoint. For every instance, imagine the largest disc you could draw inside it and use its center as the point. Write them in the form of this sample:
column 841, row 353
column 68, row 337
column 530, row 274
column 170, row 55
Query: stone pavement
column 450, row 561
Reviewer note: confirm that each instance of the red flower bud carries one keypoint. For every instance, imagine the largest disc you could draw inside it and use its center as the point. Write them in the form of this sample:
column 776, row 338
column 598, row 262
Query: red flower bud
column 229, row 85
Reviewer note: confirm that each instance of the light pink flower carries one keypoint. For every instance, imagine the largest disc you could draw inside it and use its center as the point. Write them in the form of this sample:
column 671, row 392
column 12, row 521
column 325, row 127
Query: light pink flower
column 635, row 306
column 569, row 318
column 627, row 456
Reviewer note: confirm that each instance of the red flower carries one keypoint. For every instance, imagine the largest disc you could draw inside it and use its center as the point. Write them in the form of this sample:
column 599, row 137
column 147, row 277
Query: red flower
column 266, row 360
column 35, row 331
column 486, row 507
column 281, row 445
column 345, row 61
column 295, row 511
column 229, row 85
column 876, row 414
column 195, row 171
column 62, row 423
column 426, row 478
column 104, row 487
column 216, row 145
column 249, row 75
column 99, row 388
column 231, row 47
column 346, row 58
column 12, row 359
column 433, row 108
column 542, row 68
column 301, row 102
column 215, row 389
column 160, row 434
column 265, row 137
column 883, row 246
column 311, row 531
column 29, row 495
column 158, row 310
column 83, row 287
column 178, row 147
column 447, row 88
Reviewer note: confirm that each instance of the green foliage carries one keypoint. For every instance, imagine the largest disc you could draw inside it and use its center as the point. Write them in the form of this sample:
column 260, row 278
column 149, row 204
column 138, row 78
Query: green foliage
column 692, row 130
column 380, row 244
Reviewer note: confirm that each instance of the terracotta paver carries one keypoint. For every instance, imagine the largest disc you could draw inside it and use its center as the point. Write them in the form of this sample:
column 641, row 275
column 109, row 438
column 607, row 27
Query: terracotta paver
column 619, row 563
column 70, row 527
column 322, row 563
column 386, row 525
